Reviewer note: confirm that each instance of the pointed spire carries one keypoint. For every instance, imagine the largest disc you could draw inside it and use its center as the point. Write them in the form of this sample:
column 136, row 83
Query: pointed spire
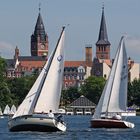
column 103, row 37
column 39, row 7
column 39, row 28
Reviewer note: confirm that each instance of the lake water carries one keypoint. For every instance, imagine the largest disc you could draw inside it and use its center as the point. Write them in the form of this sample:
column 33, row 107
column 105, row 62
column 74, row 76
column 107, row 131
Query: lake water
column 78, row 128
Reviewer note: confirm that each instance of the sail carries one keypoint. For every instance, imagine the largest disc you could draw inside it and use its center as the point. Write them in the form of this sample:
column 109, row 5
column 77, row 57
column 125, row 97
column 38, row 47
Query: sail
column 13, row 109
column 6, row 110
column 49, row 97
column 25, row 107
column 1, row 112
column 114, row 95
column 28, row 104
column 118, row 98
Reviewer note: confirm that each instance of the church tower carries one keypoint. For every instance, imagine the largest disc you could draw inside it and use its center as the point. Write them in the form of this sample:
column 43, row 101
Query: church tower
column 103, row 45
column 39, row 39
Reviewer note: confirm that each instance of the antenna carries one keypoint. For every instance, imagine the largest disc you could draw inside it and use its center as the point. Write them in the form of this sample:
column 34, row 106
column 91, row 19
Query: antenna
column 39, row 7
column 103, row 6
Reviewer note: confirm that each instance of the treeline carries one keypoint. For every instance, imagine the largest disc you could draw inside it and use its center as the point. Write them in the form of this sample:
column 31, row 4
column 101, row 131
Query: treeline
column 93, row 87
column 13, row 91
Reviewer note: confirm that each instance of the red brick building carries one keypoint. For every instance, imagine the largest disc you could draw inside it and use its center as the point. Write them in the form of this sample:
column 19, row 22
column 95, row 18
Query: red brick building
column 74, row 71
column 25, row 65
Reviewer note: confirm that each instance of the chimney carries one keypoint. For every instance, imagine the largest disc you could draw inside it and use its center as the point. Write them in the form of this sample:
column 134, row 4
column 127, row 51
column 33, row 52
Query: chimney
column 88, row 55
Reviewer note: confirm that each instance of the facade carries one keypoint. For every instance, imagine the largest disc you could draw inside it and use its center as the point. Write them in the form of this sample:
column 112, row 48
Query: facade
column 74, row 73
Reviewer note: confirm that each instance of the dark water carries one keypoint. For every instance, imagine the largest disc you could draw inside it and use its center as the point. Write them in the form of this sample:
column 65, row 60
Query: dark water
column 77, row 129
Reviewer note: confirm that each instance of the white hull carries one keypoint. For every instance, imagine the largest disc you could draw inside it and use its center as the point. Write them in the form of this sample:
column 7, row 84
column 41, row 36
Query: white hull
column 1, row 117
column 35, row 123
column 128, row 113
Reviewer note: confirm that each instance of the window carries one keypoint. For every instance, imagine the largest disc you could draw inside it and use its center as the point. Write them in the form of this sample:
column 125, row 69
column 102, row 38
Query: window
column 70, row 77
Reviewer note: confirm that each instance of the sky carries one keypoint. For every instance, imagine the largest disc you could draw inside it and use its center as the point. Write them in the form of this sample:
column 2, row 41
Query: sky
column 18, row 19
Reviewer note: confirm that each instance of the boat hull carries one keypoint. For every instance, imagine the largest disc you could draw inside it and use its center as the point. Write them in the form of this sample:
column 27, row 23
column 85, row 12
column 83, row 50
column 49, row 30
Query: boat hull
column 108, row 123
column 38, row 123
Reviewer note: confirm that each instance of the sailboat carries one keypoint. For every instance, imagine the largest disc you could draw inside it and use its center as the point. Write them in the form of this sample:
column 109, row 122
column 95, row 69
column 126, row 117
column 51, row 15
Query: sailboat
column 1, row 114
column 6, row 110
column 113, row 100
column 13, row 110
column 32, row 114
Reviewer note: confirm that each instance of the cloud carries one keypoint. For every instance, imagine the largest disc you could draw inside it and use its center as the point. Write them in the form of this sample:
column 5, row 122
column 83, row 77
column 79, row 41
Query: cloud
column 133, row 48
column 6, row 50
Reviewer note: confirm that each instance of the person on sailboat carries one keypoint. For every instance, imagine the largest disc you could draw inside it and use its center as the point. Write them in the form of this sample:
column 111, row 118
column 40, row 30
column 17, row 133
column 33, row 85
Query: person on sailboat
column 117, row 117
column 50, row 114
column 60, row 118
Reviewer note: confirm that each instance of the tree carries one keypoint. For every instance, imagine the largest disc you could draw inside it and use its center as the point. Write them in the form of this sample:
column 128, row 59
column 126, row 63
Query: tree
column 134, row 92
column 2, row 69
column 69, row 95
column 5, row 95
column 20, row 87
column 92, row 88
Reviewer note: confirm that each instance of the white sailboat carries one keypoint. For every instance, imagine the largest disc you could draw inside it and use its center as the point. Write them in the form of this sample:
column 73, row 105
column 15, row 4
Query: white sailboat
column 6, row 110
column 1, row 114
column 113, row 100
column 32, row 114
column 13, row 110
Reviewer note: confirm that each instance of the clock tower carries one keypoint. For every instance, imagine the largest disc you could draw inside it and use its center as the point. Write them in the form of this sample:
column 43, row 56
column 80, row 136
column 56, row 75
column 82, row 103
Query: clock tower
column 39, row 39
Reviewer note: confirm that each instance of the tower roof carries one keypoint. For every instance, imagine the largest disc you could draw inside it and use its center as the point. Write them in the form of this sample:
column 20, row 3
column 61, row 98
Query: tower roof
column 103, row 37
column 39, row 28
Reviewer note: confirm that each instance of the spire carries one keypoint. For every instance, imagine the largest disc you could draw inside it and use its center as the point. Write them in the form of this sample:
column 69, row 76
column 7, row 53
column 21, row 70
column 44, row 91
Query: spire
column 103, row 38
column 39, row 39
column 39, row 28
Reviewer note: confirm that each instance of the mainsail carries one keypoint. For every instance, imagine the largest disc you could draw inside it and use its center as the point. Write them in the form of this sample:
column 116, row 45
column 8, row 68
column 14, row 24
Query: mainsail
column 114, row 96
column 49, row 97
column 45, row 93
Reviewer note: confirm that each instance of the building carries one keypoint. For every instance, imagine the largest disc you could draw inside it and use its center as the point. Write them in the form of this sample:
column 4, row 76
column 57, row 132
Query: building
column 103, row 45
column 102, row 63
column 75, row 72
column 81, row 106
column 26, row 65
column 39, row 39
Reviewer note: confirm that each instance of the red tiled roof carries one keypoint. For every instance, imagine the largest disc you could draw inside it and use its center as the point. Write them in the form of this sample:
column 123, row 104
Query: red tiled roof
column 74, row 63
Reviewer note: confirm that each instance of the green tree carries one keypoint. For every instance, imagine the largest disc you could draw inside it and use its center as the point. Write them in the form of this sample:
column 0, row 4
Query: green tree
column 69, row 95
column 20, row 87
column 92, row 88
column 2, row 69
column 134, row 92
column 5, row 95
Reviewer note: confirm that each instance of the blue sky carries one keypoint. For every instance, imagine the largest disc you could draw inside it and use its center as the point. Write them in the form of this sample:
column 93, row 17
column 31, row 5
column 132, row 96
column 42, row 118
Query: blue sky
column 18, row 19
